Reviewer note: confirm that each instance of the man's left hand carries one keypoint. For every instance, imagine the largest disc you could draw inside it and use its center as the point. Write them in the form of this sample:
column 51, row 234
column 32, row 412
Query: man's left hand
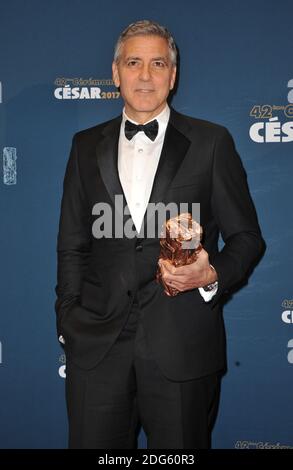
column 190, row 276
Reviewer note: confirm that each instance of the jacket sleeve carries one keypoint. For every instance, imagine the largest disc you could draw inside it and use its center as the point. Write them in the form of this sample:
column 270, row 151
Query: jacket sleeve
column 74, row 238
column 235, row 215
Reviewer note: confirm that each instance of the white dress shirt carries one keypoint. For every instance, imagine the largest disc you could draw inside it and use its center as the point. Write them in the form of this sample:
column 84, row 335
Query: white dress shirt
column 138, row 159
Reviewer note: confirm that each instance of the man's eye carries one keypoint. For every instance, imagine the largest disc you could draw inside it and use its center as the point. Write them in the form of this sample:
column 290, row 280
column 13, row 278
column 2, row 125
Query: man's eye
column 131, row 63
column 159, row 63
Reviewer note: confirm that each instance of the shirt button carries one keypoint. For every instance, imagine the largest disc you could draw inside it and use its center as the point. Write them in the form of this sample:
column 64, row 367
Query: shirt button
column 140, row 150
column 137, row 204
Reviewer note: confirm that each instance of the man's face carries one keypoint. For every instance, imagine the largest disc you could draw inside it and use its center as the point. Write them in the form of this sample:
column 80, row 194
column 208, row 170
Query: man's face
column 145, row 76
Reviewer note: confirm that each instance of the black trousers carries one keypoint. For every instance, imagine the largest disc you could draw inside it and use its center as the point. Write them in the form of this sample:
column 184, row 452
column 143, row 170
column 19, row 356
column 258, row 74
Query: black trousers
column 106, row 405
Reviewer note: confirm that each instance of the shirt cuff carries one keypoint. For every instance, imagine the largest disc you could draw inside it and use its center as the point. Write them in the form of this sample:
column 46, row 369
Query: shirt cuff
column 61, row 339
column 207, row 296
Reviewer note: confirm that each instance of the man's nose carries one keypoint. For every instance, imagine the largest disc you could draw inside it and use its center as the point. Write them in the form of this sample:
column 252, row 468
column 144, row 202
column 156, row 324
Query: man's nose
column 145, row 72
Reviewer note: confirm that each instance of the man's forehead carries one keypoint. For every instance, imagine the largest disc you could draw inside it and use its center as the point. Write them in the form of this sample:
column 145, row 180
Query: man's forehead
column 147, row 44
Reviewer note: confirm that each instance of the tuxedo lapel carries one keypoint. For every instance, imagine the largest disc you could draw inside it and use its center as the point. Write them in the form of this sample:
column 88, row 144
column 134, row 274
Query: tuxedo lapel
column 107, row 158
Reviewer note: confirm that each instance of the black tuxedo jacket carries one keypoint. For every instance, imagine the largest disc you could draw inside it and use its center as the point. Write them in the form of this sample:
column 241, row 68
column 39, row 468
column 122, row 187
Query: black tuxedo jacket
column 98, row 278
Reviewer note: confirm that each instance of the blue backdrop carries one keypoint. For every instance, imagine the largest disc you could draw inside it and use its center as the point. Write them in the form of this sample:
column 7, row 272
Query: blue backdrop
column 55, row 79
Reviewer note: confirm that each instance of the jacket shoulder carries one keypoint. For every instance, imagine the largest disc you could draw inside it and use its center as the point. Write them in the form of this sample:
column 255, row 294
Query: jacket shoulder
column 203, row 126
column 91, row 133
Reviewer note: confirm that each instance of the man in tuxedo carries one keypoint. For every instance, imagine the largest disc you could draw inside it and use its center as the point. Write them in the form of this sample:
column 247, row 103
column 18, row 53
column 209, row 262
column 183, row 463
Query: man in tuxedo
column 134, row 354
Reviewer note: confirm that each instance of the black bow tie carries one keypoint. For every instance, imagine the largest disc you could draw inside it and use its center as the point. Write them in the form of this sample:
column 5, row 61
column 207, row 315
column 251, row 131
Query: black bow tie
column 150, row 129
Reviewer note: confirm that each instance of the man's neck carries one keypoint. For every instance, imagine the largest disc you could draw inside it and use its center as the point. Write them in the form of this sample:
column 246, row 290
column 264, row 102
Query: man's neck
column 141, row 117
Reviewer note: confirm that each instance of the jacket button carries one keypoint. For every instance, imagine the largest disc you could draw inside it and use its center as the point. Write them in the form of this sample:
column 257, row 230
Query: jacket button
column 129, row 293
column 138, row 248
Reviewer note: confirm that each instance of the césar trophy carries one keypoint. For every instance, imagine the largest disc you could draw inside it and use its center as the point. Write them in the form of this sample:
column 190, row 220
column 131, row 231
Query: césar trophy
column 180, row 244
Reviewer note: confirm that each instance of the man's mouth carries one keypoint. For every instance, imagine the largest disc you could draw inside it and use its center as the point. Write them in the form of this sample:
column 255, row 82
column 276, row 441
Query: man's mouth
column 144, row 90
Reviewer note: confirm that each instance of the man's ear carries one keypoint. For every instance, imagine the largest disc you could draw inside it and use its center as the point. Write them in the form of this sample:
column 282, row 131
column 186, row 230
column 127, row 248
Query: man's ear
column 115, row 74
column 173, row 77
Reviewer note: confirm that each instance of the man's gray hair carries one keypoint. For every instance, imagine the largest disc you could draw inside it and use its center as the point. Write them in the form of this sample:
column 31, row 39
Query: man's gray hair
column 146, row 28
